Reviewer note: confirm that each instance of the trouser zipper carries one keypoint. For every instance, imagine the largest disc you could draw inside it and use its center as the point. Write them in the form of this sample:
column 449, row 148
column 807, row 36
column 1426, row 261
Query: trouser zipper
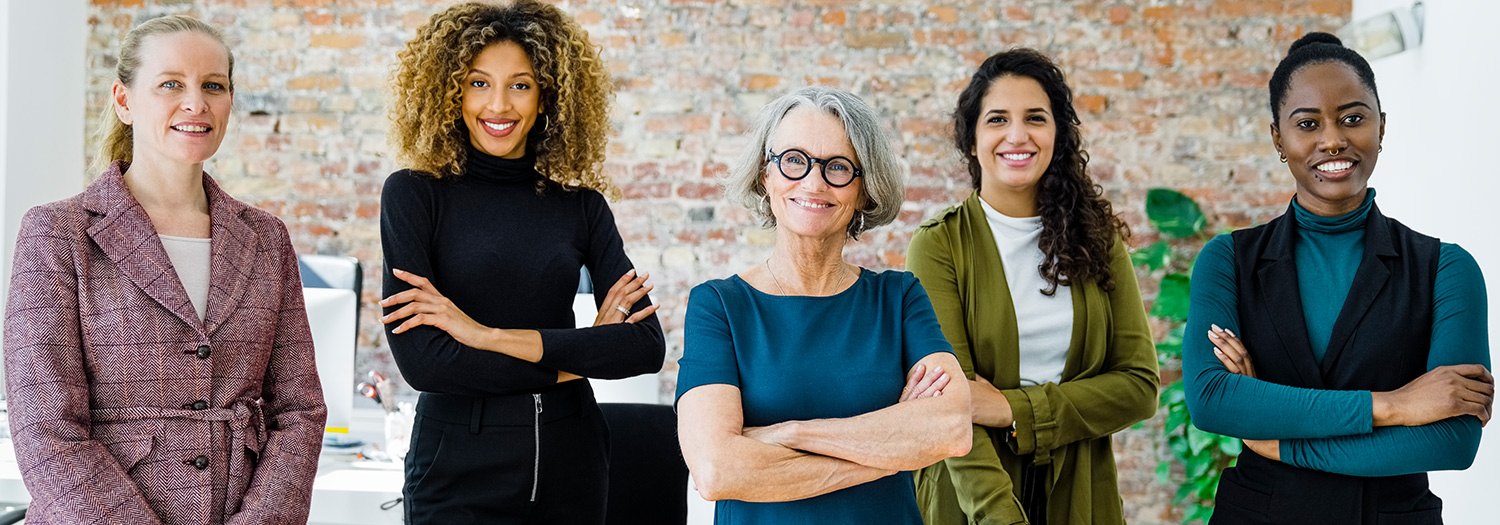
column 536, row 464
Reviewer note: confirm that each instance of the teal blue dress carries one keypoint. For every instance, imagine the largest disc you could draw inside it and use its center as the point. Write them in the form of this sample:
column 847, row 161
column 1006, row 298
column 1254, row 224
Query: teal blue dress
column 801, row 358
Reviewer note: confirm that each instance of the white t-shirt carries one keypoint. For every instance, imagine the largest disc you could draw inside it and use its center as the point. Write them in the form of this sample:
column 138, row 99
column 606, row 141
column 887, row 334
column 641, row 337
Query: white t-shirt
column 1045, row 324
column 190, row 258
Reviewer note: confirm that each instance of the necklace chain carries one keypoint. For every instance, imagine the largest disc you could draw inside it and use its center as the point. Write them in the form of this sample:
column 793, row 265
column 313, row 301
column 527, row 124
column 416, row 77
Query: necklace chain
column 843, row 276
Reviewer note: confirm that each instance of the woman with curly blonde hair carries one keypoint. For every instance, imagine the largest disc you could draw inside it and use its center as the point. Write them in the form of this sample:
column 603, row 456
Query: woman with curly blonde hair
column 500, row 113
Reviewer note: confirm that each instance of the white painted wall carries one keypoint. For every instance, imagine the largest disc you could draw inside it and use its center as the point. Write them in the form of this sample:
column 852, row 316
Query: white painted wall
column 42, row 107
column 1435, row 176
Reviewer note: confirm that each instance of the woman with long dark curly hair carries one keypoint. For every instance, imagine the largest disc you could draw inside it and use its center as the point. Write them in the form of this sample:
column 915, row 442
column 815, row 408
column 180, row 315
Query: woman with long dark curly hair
column 1034, row 289
column 501, row 112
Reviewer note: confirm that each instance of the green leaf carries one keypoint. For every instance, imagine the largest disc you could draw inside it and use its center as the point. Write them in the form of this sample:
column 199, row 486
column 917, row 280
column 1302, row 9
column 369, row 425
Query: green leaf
column 1164, row 471
column 1172, row 300
column 1175, row 419
column 1174, row 214
column 1153, row 257
column 1231, row 447
column 1198, row 440
column 1198, row 513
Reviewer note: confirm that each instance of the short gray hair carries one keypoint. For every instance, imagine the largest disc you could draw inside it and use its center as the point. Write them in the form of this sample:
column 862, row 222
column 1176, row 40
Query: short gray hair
column 884, row 185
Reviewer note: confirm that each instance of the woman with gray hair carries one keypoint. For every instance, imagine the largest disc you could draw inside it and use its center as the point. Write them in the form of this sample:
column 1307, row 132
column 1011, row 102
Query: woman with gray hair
column 808, row 384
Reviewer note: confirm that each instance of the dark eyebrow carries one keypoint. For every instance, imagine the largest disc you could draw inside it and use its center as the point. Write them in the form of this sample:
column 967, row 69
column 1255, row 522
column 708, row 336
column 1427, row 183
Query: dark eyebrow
column 1340, row 108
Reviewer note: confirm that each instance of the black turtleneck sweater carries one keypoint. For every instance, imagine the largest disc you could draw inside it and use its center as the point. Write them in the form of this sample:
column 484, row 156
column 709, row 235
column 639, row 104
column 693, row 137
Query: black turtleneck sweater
column 508, row 256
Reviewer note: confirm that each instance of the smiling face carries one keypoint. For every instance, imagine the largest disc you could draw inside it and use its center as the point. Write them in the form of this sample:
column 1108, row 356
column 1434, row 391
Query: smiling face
column 1329, row 129
column 179, row 102
column 1013, row 140
column 501, row 101
column 809, row 207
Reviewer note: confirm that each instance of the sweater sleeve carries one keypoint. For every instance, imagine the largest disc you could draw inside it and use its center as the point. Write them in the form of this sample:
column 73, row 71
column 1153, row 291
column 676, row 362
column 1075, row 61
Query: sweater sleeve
column 1234, row 405
column 431, row 360
column 984, row 489
column 1049, row 415
column 1460, row 335
column 610, row 351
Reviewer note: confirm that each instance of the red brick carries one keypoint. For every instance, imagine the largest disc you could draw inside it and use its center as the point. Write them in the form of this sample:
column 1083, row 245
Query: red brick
column 318, row 19
column 762, row 82
column 943, row 13
column 835, row 18
column 337, row 41
column 1090, row 103
column 874, row 39
column 1017, row 13
column 1331, row 7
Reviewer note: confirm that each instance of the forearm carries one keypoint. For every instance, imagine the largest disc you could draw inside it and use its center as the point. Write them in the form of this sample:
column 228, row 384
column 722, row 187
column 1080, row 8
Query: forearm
column 1049, row 415
column 905, row 436
column 612, row 351
column 745, row 469
column 1450, row 444
column 432, row 361
column 984, row 488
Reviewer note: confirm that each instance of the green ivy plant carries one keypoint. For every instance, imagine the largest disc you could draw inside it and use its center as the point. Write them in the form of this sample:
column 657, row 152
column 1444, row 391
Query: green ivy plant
column 1203, row 455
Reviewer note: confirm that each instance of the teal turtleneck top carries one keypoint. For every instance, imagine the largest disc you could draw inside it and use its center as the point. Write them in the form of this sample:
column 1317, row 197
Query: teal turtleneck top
column 1332, row 430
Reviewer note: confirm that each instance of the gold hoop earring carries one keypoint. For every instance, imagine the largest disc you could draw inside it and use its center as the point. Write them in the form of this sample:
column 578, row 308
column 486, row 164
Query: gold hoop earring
column 1283, row 157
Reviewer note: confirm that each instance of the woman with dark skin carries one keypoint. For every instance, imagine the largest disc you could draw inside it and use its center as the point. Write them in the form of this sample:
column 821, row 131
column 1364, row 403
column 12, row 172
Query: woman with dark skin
column 501, row 114
column 1348, row 351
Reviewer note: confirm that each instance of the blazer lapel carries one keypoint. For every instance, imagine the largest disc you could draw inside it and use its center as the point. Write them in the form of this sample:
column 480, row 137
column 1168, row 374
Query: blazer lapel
column 1369, row 280
column 123, row 231
column 233, row 251
column 1283, row 299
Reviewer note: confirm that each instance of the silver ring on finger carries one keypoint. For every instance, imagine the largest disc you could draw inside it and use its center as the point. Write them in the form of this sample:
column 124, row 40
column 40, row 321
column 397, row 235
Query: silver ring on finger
column 622, row 309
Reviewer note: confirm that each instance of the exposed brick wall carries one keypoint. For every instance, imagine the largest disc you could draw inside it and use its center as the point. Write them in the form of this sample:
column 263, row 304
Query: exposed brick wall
column 1171, row 93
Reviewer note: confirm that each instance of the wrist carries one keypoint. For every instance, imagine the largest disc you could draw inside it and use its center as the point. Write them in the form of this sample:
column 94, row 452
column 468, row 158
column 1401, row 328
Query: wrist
column 1382, row 410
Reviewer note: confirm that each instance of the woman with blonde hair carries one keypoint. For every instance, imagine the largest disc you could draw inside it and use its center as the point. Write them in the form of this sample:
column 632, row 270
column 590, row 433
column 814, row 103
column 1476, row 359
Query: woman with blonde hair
column 501, row 113
column 158, row 360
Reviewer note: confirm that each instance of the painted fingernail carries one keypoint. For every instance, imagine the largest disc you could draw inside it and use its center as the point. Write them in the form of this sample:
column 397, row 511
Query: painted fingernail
column 1230, row 332
column 1212, row 335
column 1215, row 328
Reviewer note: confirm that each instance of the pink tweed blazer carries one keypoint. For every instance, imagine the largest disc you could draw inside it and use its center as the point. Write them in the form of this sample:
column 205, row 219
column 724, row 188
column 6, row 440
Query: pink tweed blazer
column 124, row 406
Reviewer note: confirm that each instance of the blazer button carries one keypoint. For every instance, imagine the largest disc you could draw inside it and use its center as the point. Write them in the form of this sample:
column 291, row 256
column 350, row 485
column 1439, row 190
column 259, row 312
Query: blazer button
column 204, row 352
column 200, row 405
column 200, row 462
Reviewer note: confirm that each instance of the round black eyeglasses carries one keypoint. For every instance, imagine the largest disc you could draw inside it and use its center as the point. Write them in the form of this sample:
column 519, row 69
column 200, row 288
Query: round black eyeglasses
column 795, row 164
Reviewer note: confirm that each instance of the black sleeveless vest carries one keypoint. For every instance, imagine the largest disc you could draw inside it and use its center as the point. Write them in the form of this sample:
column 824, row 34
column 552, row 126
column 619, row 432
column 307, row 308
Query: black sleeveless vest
column 1380, row 342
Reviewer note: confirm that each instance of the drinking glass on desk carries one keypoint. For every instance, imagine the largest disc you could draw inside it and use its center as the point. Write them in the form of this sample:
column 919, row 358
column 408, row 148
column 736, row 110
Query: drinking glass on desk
column 398, row 425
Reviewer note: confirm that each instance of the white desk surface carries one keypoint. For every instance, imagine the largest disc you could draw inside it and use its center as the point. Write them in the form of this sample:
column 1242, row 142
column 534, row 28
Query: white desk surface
column 344, row 492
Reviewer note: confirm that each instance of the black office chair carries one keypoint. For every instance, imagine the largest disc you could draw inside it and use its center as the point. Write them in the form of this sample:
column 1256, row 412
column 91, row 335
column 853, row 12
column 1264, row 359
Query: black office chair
column 647, row 475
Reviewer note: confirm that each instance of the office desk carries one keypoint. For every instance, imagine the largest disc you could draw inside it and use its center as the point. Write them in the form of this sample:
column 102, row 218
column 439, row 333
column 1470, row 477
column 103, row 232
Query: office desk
column 344, row 492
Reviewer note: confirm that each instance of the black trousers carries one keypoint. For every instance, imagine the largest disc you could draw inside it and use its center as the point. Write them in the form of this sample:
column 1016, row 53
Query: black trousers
column 534, row 458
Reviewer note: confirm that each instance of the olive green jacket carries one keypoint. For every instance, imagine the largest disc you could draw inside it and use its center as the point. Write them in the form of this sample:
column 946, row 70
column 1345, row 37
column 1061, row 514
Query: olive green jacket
column 1109, row 382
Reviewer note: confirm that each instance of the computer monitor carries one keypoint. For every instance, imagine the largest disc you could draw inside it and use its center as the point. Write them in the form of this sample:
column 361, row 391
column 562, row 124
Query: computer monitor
column 331, row 313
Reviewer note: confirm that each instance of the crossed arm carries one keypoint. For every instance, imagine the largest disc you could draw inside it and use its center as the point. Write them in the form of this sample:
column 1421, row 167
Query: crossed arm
column 801, row 459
